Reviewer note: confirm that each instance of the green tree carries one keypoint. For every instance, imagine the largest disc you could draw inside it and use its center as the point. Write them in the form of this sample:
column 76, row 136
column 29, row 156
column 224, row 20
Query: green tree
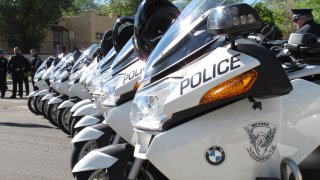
column 79, row 6
column 24, row 23
column 123, row 7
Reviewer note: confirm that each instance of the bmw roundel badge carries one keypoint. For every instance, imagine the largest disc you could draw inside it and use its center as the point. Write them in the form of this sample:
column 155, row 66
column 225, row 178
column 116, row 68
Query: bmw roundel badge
column 215, row 155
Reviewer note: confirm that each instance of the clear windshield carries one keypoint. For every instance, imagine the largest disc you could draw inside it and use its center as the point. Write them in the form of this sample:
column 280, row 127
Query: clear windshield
column 87, row 55
column 123, row 53
column 61, row 66
column 186, row 34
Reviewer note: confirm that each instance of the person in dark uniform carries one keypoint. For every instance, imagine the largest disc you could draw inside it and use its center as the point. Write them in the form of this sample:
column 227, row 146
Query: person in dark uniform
column 303, row 20
column 26, row 72
column 16, row 67
column 3, row 73
column 34, row 65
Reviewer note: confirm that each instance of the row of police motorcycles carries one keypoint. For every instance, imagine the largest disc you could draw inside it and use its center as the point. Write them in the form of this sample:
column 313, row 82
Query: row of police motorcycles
column 188, row 93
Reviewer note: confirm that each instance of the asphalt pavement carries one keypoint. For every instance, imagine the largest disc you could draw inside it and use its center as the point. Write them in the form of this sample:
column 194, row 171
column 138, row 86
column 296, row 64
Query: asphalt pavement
column 31, row 147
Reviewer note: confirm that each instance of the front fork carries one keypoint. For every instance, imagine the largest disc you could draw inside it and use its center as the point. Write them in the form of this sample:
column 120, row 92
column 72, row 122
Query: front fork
column 134, row 171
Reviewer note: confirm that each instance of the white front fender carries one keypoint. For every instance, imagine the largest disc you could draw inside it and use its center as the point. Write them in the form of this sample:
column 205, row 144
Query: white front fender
column 87, row 121
column 33, row 94
column 47, row 97
column 66, row 104
column 42, row 92
column 80, row 104
column 93, row 161
column 87, row 134
column 86, row 110
column 55, row 100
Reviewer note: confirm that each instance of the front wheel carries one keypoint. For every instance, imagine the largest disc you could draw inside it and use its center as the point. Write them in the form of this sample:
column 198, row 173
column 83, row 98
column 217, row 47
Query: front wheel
column 31, row 105
column 63, row 116
column 147, row 172
column 44, row 108
column 37, row 104
column 52, row 113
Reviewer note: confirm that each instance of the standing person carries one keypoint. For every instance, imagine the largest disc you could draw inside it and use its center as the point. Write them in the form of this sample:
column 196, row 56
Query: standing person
column 35, row 63
column 26, row 71
column 16, row 67
column 3, row 72
column 303, row 20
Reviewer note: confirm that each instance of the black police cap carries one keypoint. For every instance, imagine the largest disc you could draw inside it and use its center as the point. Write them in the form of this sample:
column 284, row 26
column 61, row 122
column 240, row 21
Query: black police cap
column 300, row 12
column 2, row 51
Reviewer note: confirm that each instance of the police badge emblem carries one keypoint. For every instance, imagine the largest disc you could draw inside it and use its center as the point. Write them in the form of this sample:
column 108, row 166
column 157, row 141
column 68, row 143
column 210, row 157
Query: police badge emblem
column 261, row 135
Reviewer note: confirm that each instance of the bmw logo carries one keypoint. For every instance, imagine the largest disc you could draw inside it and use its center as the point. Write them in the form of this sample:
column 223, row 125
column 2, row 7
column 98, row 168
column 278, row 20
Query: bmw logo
column 215, row 155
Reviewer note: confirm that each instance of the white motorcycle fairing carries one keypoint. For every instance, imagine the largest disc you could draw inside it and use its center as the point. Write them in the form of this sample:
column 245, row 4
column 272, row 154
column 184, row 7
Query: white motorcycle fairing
column 41, row 85
column 80, row 104
column 119, row 120
column 87, row 134
column 86, row 110
column 87, row 120
column 104, row 158
column 55, row 100
column 77, row 90
column 42, row 92
column 33, row 94
column 47, row 97
column 66, row 104
column 94, row 160
column 63, row 88
column 239, row 130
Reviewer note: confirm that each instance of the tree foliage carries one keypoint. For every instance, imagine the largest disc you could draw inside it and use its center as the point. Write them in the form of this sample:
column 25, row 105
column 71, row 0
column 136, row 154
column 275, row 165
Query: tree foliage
column 24, row 23
column 123, row 7
column 79, row 6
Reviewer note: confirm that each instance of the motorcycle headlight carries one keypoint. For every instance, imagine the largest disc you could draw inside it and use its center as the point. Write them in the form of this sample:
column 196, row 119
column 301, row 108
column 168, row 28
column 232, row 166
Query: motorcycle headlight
column 109, row 98
column 146, row 112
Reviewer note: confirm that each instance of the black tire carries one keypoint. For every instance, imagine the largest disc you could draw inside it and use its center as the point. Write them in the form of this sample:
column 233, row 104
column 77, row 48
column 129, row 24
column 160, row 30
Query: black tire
column 63, row 119
column 75, row 120
column 78, row 149
column 52, row 114
column 37, row 104
column 44, row 108
column 31, row 105
column 79, row 152
column 147, row 172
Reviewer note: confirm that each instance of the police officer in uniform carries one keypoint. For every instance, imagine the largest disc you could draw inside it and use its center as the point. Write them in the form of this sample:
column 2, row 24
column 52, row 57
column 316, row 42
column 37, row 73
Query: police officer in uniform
column 303, row 20
column 3, row 72
column 17, row 67
column 34, row 65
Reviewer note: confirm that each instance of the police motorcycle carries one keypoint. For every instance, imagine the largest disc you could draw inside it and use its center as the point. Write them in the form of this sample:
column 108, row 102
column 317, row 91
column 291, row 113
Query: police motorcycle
column 49, row 66
column 223, row 103
column 61, row 82
column 79, row 86
column 151, row 22
column 63, row 112
column 122, row 30
column 40, row 83
column 54, row 84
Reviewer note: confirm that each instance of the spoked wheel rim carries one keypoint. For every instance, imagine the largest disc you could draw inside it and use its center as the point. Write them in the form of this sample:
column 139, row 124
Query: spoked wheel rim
column 65, row 118
column 32, row 108
column 38, row 104
column 54, row 113
column 88, row 147
column 100, row 174
column 46, row 106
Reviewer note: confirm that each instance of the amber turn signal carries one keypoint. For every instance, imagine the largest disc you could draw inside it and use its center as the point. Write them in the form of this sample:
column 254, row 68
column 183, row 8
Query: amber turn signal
column 235, row 86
